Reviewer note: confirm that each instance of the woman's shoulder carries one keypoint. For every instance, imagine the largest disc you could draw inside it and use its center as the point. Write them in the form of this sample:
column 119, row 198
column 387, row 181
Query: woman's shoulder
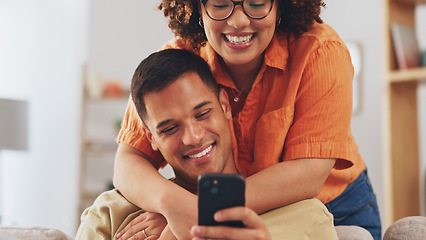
column 205, row 51
column 320, row 35
column 322, row 32
column 178, row 43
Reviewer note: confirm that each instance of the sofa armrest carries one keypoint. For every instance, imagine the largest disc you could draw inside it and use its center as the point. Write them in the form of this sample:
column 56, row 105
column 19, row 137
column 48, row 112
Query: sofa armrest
column 33, row 233
column 408, row 228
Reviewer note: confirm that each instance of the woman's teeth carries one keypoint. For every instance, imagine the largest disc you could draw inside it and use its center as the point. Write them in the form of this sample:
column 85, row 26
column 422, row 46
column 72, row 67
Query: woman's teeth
column 240, row 39
column 201, row 154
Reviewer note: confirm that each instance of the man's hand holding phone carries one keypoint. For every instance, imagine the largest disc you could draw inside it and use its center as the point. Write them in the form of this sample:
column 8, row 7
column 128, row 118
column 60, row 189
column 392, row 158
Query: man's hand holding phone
column 254, row 226
column 216, row 192
column 221, row 210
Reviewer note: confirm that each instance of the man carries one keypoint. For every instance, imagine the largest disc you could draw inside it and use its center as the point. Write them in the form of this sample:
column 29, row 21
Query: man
column 187, row 119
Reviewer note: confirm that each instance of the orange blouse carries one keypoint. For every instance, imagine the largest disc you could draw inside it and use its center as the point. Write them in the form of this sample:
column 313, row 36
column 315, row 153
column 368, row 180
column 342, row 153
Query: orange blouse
column 300, row 106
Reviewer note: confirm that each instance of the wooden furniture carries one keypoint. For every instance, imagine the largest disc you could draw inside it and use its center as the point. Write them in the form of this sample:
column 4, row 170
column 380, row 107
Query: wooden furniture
column 101, row 116
column 402, row 150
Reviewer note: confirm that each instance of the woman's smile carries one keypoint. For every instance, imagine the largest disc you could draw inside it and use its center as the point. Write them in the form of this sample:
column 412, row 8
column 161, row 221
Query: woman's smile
column 239, row 39
column 239, row 42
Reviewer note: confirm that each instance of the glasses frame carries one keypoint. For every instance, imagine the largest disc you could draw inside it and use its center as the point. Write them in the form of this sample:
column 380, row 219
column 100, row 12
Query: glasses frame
column 236, row 3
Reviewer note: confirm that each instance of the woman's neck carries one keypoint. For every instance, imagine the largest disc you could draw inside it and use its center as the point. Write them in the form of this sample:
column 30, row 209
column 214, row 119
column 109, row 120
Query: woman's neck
column 243, row 76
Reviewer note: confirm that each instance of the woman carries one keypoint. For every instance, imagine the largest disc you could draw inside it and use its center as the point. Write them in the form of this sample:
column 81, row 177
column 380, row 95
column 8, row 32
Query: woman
column 289, row 78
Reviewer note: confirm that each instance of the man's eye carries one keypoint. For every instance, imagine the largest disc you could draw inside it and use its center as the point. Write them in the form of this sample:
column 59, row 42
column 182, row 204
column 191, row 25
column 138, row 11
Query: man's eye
column 204, row 114
column 169, row 130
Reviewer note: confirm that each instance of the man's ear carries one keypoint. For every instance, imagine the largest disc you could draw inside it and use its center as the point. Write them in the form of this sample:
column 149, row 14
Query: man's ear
column 149, row 136
column 224, row 102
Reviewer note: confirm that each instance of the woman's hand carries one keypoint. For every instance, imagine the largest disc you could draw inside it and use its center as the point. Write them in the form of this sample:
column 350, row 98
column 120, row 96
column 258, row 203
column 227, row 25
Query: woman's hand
column 167, row 234
column 181, row 213
column 255, row 228
column 147, row 225
column 181, row 221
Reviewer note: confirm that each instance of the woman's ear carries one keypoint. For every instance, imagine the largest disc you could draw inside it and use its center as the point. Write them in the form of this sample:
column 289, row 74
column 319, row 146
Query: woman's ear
column 199, row 8
column 149, row 136
column 224, row 102
column 200, row 13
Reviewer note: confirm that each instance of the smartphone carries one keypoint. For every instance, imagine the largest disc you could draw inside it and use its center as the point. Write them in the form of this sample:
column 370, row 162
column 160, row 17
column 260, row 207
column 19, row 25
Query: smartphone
column 216, row 192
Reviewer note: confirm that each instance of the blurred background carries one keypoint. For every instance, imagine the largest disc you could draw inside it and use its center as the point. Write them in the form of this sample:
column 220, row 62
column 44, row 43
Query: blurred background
column 67, row 67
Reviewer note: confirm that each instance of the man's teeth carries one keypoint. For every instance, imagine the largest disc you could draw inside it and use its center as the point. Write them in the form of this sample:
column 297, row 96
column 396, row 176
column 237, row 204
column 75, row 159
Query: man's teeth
column 203, row 153
column 239, row 40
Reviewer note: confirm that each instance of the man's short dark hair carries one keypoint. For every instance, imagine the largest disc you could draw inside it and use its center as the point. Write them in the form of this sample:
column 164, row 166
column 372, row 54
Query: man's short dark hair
column 161, row 69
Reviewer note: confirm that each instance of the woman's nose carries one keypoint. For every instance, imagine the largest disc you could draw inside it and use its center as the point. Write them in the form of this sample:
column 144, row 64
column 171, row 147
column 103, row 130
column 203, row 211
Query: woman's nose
column 238, row 18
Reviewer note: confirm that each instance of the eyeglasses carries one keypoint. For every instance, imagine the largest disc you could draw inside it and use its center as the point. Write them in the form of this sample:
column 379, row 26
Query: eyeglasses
column 223, row 9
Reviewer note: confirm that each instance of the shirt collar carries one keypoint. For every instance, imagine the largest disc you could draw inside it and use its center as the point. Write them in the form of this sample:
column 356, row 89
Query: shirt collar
column 276, row 56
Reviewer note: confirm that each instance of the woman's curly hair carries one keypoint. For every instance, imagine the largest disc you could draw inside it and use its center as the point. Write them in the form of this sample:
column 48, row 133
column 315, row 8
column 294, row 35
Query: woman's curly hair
column 297, row 17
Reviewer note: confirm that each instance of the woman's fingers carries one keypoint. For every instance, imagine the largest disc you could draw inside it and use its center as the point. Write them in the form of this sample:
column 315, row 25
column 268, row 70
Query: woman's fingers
column 144, row 226
column 135, row 226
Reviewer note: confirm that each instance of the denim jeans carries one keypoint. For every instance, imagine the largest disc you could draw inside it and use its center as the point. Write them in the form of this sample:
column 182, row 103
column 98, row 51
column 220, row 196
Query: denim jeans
column 357, row 205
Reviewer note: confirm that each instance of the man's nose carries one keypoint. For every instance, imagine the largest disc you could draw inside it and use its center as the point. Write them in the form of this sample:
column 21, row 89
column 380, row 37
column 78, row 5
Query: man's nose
column 193, row 134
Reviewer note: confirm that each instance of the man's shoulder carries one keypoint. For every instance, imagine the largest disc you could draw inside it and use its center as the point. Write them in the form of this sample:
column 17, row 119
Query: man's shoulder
column 109, row 213
column 306, row 219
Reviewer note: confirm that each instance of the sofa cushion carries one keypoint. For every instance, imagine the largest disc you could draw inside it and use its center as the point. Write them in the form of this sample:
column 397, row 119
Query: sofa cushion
column 408, row 228
column 352, row 233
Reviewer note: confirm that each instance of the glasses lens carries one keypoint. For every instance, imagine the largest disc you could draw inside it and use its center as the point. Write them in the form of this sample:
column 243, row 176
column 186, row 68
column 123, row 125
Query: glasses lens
column 219, row 9
column 257, row 8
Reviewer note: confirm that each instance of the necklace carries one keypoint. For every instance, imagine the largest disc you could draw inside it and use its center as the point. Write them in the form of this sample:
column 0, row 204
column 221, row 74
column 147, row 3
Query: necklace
column 237, row 98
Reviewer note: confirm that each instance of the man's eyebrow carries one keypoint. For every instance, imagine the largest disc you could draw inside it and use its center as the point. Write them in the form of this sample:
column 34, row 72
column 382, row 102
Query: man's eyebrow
column 202, row 104
column 165, row 122
column 161, row 124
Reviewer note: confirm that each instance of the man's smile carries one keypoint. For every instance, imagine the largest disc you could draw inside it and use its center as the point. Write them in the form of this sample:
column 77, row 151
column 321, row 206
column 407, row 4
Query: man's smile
column 200, row 155
column 203, row 153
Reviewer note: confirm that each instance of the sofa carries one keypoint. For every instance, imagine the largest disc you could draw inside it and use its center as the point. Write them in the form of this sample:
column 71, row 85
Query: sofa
column 409, row 228
column 33, row 233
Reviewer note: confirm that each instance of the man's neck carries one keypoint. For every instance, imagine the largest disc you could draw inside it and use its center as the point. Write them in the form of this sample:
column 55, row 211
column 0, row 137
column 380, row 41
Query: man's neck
column 190, row 186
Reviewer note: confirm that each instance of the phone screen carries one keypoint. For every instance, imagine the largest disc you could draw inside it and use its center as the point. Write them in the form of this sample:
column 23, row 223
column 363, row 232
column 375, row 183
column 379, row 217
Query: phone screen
column 216, row 192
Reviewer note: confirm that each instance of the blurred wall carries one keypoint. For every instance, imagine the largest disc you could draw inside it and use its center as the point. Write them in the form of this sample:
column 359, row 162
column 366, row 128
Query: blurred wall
column 43, row 46
column 355, row 22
